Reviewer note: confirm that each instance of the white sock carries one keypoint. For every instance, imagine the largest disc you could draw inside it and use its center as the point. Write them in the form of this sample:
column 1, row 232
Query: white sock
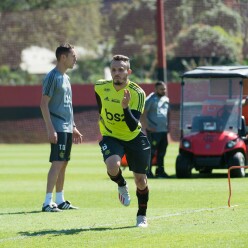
column 60, row 197
column 48, row 199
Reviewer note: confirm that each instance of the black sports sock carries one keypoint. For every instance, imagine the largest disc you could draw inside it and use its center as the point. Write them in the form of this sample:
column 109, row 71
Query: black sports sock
column 119, row 179
column 143, row 197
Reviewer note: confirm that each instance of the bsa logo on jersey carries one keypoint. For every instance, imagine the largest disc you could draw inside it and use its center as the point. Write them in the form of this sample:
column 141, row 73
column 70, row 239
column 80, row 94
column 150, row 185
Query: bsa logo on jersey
column 115, row 116
column 106, row 89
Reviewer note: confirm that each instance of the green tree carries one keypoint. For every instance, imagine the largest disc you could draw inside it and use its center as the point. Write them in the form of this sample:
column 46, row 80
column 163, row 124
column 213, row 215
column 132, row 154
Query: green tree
column 78, row 24
column 206, row 41
column 20, row 5
column 135, row 35
column 210, row 33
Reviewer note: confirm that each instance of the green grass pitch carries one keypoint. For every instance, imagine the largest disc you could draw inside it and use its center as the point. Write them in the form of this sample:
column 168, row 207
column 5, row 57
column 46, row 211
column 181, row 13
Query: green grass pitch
column 181, row 212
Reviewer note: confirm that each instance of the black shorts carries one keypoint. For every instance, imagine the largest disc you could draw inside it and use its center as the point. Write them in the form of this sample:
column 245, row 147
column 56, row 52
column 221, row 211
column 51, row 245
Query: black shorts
column 62, row 150
column 138, row 151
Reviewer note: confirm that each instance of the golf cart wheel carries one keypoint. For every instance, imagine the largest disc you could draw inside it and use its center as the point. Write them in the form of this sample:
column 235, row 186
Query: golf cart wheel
column 183, row 166
column 237, row 159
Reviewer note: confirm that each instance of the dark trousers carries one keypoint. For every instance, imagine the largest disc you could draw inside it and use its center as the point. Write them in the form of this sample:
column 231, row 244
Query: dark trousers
column 159, row 143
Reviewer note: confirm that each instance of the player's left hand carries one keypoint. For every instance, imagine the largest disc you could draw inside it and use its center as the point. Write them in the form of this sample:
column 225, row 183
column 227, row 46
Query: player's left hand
column 126, row 98
column 77, row 137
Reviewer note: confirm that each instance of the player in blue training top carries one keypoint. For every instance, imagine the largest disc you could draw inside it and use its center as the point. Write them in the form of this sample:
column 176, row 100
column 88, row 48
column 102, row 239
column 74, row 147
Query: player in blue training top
column 57, row 111
column 120, row 104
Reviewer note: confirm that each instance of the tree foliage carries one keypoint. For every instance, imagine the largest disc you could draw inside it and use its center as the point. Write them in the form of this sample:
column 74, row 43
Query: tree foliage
column 20, row 5
column 79, row 25
column 135, row 36
column 210, row 33
column 222, row 16
column 197, row 32
column 208, row 42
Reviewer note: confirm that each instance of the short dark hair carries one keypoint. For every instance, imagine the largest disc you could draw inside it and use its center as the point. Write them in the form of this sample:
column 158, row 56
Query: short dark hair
column 63, row 49
column 120, row 57
column 158, row 83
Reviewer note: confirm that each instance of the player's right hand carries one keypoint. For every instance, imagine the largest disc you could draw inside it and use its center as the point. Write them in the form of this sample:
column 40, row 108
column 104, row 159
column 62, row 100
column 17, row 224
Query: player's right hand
column 126, row 98
column 53, row 137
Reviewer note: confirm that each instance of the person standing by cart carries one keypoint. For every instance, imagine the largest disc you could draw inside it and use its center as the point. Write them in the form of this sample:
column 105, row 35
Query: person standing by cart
column 156, row 122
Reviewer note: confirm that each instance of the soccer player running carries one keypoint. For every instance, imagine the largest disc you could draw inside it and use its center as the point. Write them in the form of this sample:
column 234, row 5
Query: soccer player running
column 120, row 104
column 57, row 111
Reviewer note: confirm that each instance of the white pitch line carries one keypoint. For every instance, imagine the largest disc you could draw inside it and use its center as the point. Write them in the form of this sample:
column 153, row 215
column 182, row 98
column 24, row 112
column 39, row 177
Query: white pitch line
column 112, row 224
column 189, row 212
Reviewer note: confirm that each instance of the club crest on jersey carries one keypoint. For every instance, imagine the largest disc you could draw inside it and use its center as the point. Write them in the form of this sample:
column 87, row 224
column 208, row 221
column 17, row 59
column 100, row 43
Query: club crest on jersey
column 106, row 99
column 62, row 154
column 107, row 152
column 154, row 143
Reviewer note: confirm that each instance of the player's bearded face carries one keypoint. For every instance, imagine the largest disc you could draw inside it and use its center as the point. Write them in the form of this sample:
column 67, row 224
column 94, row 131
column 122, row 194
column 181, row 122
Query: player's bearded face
column 118, row 80
column 119, row 72
column 161, row 91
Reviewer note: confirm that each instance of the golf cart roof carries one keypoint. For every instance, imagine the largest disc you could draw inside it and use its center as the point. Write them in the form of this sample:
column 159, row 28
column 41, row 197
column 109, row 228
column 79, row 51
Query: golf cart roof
column 217, row 72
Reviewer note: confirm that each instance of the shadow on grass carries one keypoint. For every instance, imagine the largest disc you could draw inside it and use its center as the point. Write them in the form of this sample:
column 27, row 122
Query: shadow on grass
column 30, row 212
column 72, row 231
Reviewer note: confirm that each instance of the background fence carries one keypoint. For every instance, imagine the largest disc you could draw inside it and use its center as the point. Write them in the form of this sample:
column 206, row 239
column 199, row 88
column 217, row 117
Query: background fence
column 21, row 120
